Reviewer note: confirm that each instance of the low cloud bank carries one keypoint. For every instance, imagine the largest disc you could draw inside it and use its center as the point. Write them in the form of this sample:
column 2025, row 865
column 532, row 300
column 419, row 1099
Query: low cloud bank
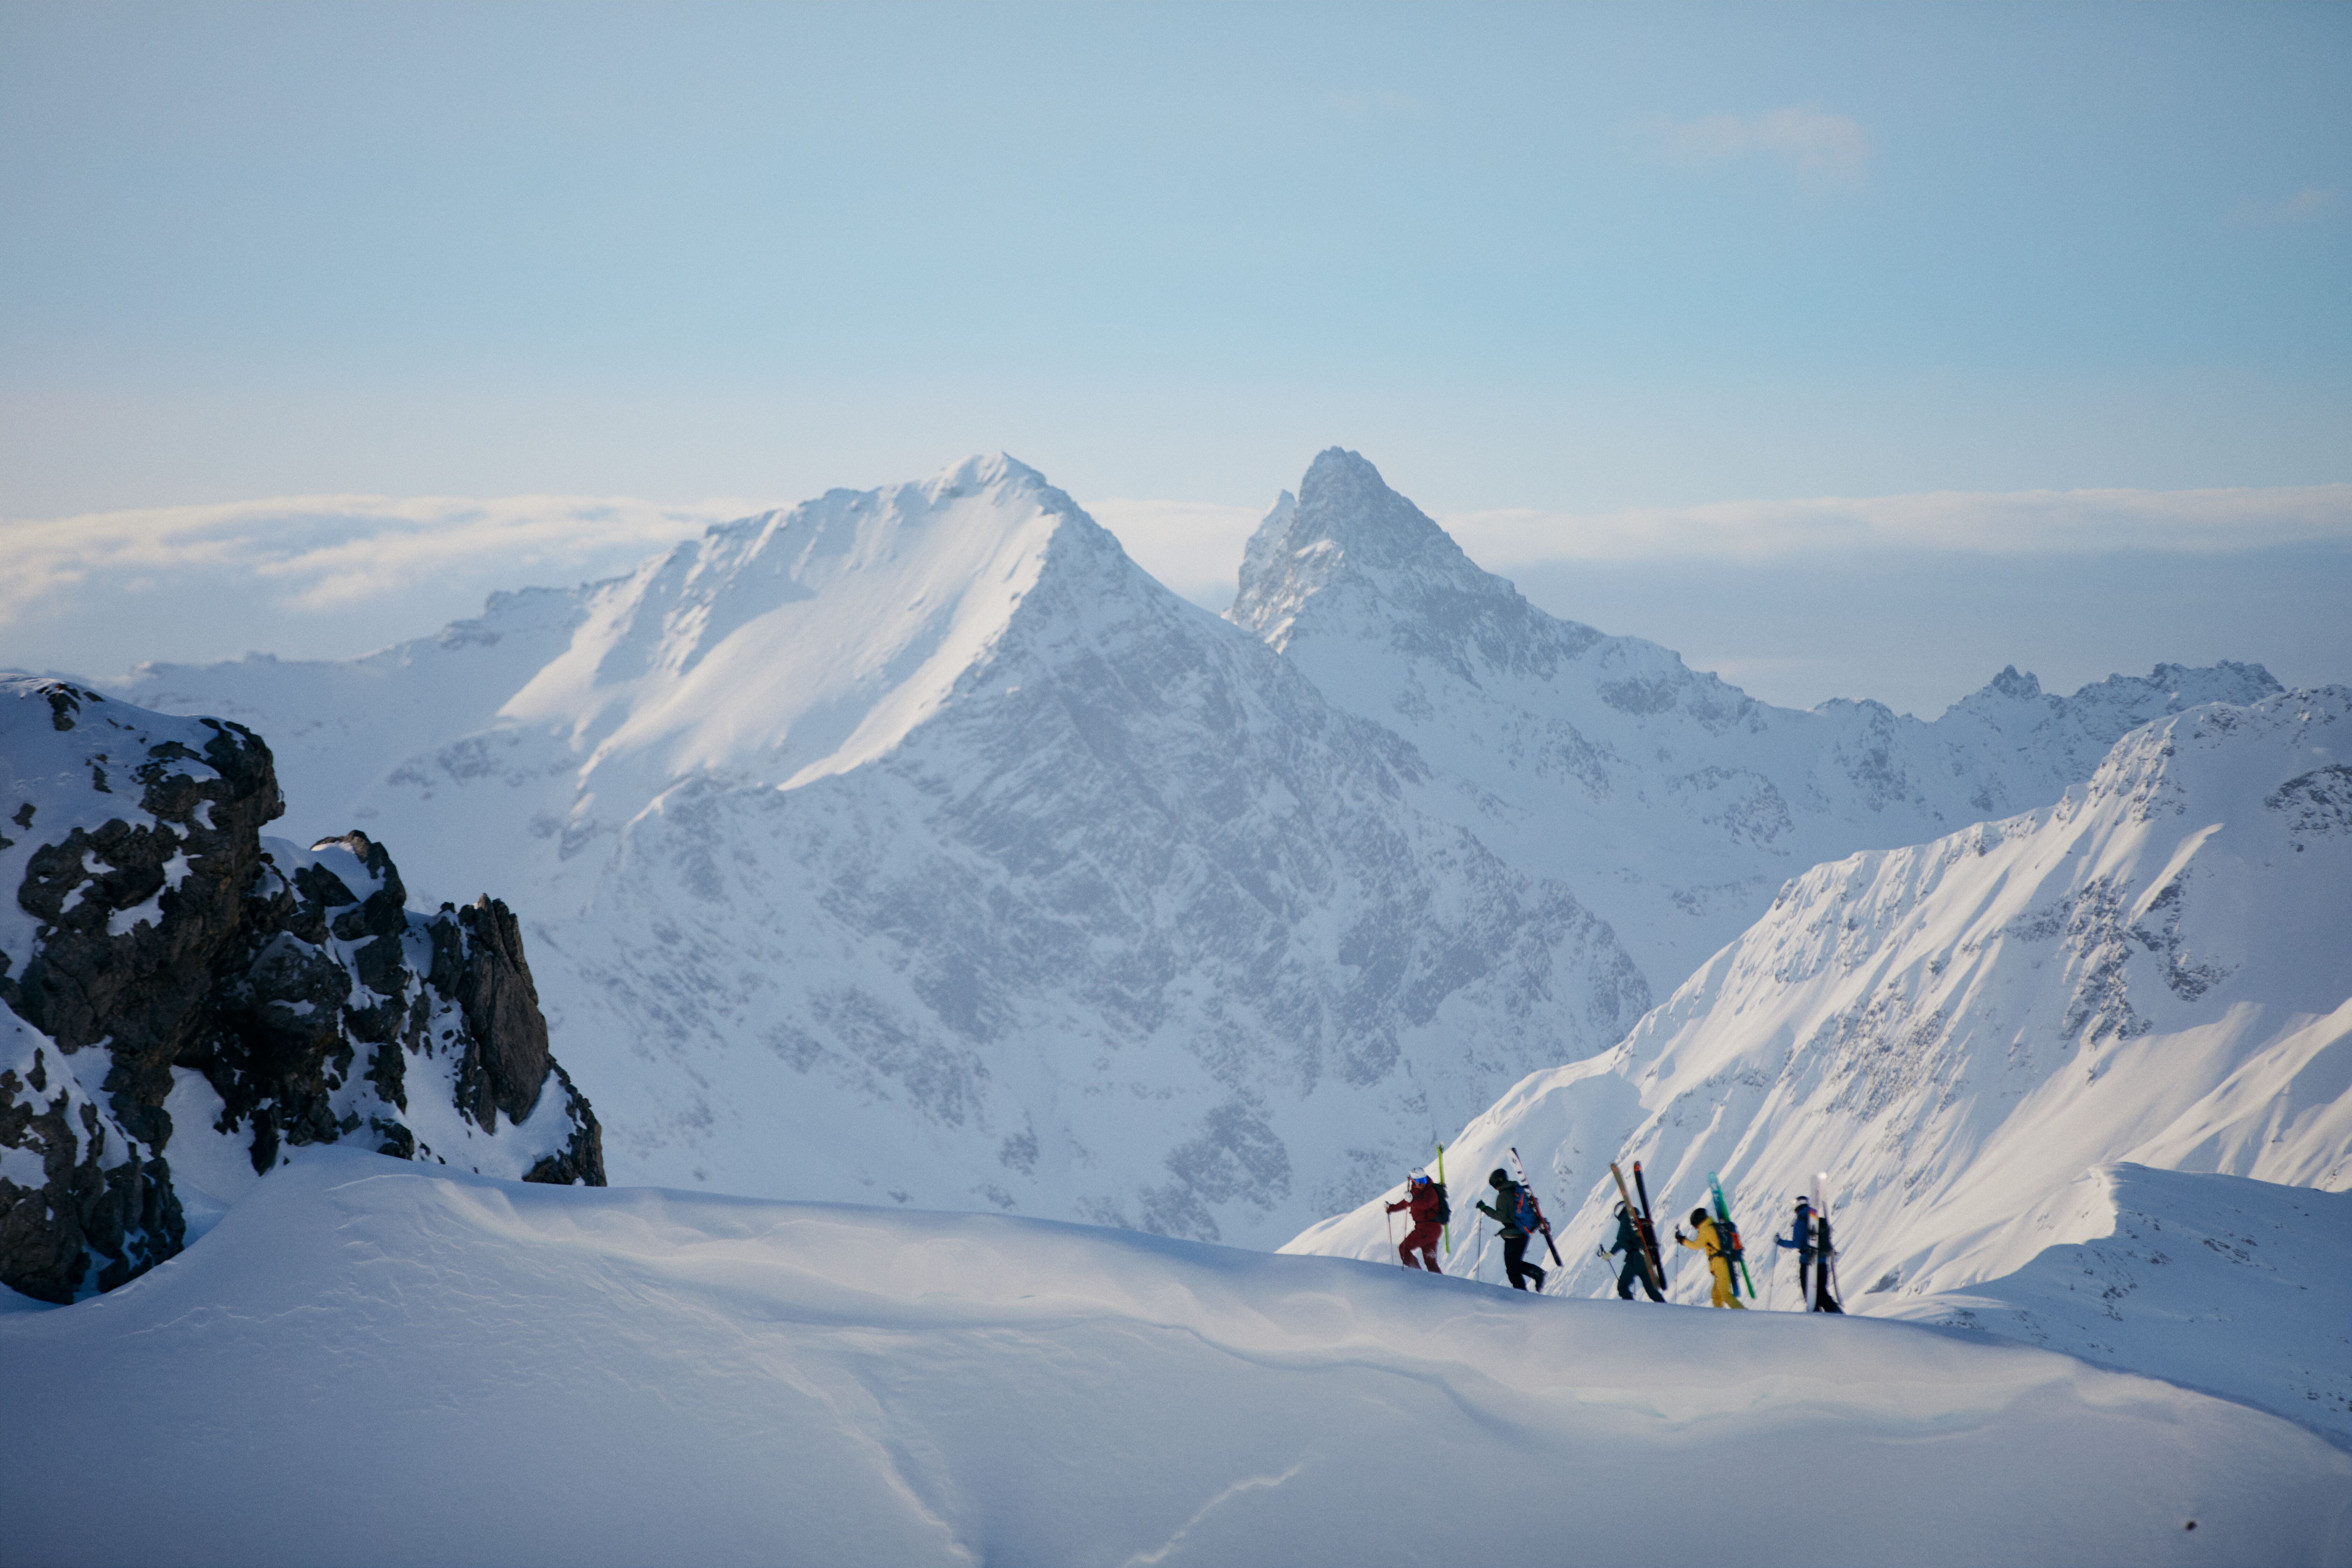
column 2018, row 522
column 303, row 576
column 332, row 576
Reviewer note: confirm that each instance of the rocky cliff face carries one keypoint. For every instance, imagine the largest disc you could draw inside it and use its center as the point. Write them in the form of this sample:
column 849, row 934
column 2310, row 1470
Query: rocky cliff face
column 179, row 988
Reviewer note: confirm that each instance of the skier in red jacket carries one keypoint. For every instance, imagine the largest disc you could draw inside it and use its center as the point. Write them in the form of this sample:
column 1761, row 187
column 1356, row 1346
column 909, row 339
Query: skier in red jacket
column 1428, row 1206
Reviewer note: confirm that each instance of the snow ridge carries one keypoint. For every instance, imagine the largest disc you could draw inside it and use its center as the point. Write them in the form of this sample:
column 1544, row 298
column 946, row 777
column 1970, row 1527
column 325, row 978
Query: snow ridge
column 582, row 1377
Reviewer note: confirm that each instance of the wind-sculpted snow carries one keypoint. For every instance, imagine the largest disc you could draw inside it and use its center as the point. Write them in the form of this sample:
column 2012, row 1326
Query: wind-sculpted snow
column 2157, row 969
column 1672, row 802
column 913, row 844
column 2218, row 1283
column 369, row 1362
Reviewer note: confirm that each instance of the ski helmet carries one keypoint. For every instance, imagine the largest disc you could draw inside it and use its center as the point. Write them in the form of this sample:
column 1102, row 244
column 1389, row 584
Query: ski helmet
column 1698, row 1216
column 1498, row 1177
column 1802, row 1201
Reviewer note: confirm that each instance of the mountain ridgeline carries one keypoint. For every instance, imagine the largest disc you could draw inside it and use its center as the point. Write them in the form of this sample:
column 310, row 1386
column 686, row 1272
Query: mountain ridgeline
column 913, row 846
column 1674, row 802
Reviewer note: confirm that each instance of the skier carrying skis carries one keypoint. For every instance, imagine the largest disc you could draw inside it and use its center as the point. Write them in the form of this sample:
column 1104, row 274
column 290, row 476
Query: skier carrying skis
column 1824, row 1256
column 1719, row 1261
column 1799, row 1240
column 1506, row 1213
column 1426, row 1199
column 1637, row 1263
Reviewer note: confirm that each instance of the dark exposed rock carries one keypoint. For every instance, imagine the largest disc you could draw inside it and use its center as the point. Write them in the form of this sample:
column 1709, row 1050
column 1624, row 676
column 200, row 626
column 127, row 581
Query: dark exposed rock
column 167, row 935
column 502, row 1013
column 90, row 1224
column 581, row 1162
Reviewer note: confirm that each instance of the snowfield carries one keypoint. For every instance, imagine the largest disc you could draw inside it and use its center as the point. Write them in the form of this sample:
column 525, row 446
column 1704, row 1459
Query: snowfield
column 371, row 1362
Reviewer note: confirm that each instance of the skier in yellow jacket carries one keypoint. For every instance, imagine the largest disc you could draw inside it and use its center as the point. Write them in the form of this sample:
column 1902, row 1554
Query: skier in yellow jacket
column 1719, row 1261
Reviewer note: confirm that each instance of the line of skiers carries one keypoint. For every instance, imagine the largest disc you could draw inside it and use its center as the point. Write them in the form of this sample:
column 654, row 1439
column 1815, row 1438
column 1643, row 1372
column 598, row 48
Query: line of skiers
column 1518, row 1218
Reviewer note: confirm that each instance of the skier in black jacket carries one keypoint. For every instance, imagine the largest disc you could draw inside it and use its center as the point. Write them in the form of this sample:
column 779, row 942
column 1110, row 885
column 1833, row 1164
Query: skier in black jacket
column 1637, row 1259
column 1505, row 1213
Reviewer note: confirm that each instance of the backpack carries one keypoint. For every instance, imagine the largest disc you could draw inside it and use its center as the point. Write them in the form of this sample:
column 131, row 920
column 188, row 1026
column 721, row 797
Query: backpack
column 1525, row 1215
column 1444, row 1209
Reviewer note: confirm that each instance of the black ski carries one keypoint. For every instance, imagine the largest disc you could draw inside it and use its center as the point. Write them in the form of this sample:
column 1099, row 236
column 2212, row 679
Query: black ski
column 1649, row 1230
column 1824, row 1251
column 1646, row 1250
column 1542, row 1224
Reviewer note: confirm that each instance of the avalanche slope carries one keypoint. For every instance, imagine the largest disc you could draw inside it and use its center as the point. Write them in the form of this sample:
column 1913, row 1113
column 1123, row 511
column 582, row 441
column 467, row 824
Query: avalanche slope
column 369, row 1362
column 1672, row 802
column 915, row 845
column 2154, row 970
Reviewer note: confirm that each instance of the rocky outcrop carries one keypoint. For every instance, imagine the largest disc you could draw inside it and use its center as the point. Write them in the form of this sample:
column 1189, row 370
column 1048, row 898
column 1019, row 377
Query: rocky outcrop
column 161, row 954
column 508, row 1063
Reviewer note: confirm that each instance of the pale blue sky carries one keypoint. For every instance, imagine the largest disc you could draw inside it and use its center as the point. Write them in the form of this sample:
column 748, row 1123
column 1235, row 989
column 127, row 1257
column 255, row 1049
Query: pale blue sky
column 1560, row 258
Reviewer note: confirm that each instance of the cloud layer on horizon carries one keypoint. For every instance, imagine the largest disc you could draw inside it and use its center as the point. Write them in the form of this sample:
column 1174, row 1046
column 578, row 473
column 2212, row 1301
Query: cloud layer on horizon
column 335, row 576
column 2015, row 523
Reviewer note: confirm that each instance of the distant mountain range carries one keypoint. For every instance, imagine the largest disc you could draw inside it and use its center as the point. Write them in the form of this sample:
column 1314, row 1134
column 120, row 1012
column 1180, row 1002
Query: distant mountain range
column 913, row 845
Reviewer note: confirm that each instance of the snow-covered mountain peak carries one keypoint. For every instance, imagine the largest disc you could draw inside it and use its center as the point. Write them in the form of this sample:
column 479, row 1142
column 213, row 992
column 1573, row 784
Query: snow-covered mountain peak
column 1672, row 800
column 795, row 645
column 1351, row 560
column 1347, row 524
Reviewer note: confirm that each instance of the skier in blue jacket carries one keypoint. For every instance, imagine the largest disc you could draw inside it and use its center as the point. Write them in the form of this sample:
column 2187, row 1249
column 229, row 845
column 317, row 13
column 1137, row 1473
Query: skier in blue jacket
column 1799, row 1240
column 1808, row 1238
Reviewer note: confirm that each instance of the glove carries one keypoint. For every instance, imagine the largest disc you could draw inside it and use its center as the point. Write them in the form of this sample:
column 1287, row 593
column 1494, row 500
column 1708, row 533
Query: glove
column 1678, row 1234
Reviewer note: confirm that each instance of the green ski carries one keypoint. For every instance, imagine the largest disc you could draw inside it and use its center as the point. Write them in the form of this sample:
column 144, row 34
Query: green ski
column 1729, row 1234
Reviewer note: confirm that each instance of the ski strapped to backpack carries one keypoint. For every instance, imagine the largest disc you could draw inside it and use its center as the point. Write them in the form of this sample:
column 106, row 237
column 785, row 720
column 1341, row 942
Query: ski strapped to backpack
column 1644, row 1251
column 1648, row 1231
column 1530, row 1210
column 1825, row 1256
column 1445, row 1208
column 1728, row 1234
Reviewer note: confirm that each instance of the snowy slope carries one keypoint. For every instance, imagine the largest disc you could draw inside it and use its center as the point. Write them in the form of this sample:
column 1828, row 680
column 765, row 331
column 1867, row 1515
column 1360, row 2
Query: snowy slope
column 367, row 1362
column 913, row 843
column 2235, row 1286
column 2158, row 969
column 1674, row 802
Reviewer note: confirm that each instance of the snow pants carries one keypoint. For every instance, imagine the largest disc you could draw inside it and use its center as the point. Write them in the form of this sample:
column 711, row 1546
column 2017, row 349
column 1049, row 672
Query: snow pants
column 1422, row 1240
column 1516, row 1264
column 1635, row 1273
column 1724, row 1296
